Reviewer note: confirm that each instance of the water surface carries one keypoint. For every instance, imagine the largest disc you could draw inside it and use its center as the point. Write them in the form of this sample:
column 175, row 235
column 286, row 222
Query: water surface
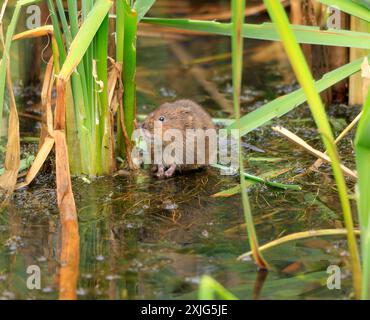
column 142, row 238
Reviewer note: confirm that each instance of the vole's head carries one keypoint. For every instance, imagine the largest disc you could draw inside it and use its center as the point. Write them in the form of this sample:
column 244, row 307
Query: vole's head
column 169, row 116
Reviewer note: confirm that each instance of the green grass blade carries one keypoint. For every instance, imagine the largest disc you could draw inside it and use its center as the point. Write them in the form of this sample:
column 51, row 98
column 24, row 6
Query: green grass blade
column 120, row 36
column 350, row 7
column 119, row 30
column 362, row 144
column 82, row 48
column 57, row 32
column 129, row 68
column 210, row 289
column 304, row 76
column 79, row 93
column 126, row 28
column 22, row 3
column 364, row 3
column 73, row 20
column 6, row 55
column 267, row 31
column 255, row 179
column 103, row 151
column 6, row 52
column 86, row 7
column 142, row 7
column 238, row 9
column 73, row 16
column 85, row 36
column 286, row 103
column 65, row 25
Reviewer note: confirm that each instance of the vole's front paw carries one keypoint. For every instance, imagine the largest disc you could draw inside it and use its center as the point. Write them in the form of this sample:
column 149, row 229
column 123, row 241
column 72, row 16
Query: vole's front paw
column 170, row 171
column 160, row 173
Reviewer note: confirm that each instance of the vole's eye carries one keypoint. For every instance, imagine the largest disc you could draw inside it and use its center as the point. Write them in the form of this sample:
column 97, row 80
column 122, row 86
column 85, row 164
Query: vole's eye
column 161, row 118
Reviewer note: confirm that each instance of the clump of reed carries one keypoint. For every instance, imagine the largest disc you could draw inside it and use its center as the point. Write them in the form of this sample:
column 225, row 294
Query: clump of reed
column 95, row 91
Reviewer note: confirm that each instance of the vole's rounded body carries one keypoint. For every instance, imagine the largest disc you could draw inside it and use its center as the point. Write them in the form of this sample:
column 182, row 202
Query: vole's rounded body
column 184, row 116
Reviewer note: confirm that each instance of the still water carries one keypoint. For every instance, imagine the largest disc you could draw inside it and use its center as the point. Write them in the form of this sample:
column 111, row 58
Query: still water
column 147, row 239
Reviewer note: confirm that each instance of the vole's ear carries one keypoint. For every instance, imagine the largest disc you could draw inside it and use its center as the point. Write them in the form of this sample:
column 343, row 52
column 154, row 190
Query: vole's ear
column 185, row 110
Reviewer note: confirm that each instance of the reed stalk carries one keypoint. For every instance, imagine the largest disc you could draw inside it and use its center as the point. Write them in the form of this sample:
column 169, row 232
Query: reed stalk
column 304, row 76
column 362, row 146
column 238, row 9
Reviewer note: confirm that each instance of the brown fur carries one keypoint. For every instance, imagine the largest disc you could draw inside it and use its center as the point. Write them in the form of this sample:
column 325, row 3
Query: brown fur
column 181, row 115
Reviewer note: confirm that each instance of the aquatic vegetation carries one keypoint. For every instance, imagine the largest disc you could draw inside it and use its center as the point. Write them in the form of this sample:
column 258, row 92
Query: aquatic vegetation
column 304, row 76
column 210, row 289
column 362, row 160
column 95, row 113
column 238, row 8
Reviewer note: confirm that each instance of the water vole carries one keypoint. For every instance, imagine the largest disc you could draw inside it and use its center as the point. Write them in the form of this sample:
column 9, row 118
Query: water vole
column 181, row 119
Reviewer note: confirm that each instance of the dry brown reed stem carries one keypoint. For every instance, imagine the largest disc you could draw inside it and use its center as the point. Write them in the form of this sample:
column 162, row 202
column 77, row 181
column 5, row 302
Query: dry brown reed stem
column 12, row 159
column 46, row 142
column 70, row 241
column 115, row 101
column 126, row 138
column 47, row 88
column 29, row 116
column 2, row 12
column 297, row 140
column 8, row 180
column 365, row 74
column 70, row 252
column 319, row 162
column 35, row 33
column 114, row 76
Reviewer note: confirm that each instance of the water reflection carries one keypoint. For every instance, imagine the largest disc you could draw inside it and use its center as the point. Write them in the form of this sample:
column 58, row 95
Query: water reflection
column 141, row 238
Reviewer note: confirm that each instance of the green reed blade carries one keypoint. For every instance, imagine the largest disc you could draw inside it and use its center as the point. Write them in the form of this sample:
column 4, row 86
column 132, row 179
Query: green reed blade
column 210, row 289
column 286, row 103
column 6, row 55
column 73, row 16
column 142, row 7
column 83, row 41
column 267, row 31
column 304, row 77
column 73, row 20
column 238, row 9
column 85, row 36
column 57, row 32
column 103, row 151
column 350, row 7
column 8, row 42
column 129, row 68
column 65, row 26
column 362, row 146
column 120, row 36
column 86, row 6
